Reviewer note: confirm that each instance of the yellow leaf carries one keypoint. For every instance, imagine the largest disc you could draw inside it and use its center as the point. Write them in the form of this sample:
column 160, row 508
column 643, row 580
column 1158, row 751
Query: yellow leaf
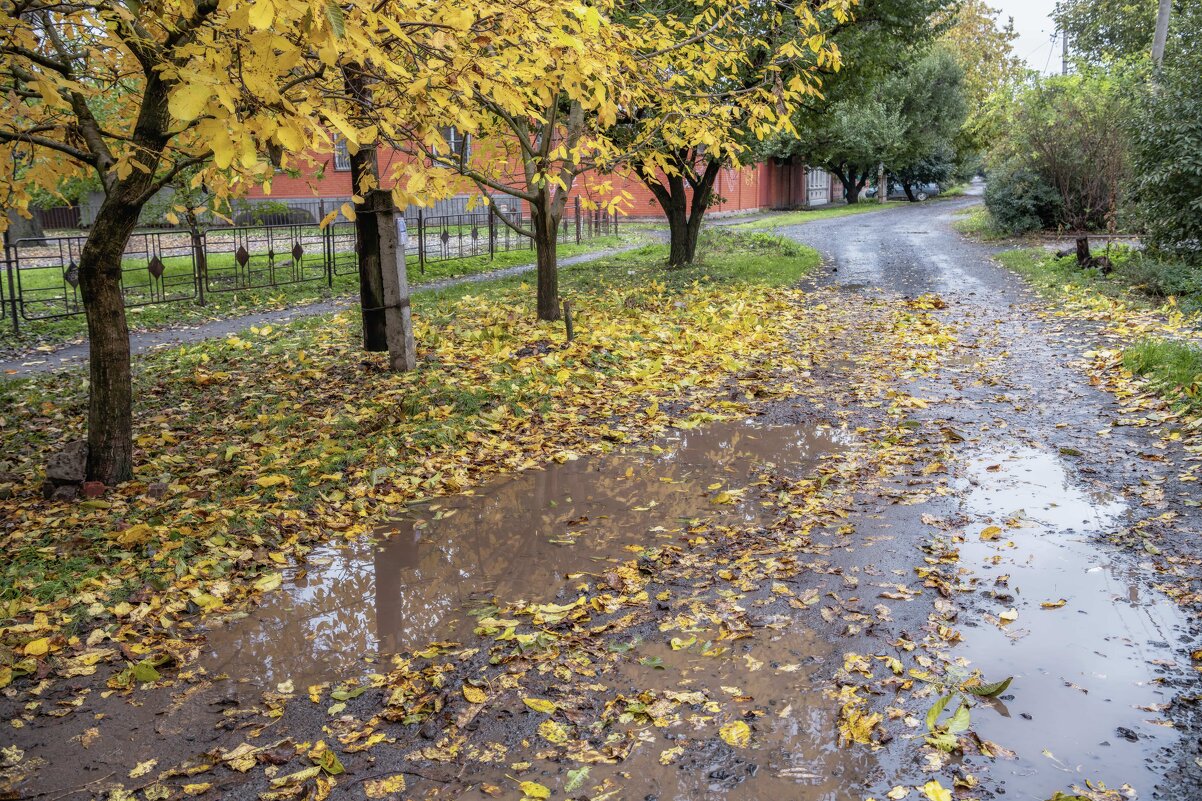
column 991, row 533
column 197, row 789
column 268, row 582
column 135, row 535
column 552, row 732
column 188, row 101
column 272, row 481
column 38, row 647
column 540, row 705
column 474, row 695
column 535, row 790
column 736, row 733
column 261, row 14
column 378, row 788
column 936, row 791
column 1054, row 604
column 142, row 768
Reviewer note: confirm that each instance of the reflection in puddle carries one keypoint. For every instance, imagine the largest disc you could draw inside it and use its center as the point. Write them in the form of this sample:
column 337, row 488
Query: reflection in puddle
column 1085, row 675
column 515, row 539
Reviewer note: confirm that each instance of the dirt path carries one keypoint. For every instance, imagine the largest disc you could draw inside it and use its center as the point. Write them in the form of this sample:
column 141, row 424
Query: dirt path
column 143, row 341
column 925, row 496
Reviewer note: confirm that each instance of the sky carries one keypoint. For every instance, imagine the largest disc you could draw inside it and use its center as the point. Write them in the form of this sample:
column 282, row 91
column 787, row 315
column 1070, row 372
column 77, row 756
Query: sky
column 1035, row 29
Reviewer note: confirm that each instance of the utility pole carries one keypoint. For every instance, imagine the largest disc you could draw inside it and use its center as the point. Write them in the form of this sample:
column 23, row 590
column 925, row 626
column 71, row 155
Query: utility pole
column 882, row 190
column 1064, row 52
column 1162, row 31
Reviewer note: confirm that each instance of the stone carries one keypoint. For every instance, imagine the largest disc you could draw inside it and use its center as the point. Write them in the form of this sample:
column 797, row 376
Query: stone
column 65, row 492
column 157, row 490
column 68, row 466
column 93, row 489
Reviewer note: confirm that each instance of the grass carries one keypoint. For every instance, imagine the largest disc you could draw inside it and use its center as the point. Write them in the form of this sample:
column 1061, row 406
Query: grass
column 1140, row 301
column 786, row 218
column 977, row 223
column 48, row 334
column 258, row 435
column 1172, row 369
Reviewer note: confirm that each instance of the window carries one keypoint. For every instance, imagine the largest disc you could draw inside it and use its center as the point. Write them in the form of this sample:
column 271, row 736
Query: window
column 460, row 143
column 342, row 157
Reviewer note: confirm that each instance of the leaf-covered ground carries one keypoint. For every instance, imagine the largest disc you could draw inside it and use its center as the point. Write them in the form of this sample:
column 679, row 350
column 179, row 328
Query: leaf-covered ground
column 911, row 610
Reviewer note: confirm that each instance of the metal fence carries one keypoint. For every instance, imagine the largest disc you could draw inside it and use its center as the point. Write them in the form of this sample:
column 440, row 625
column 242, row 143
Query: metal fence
column 41, row 275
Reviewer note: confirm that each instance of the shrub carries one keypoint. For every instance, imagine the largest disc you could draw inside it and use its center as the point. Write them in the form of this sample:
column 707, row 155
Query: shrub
column 1167, row 153
column 1163, row 277
column 1020, row 200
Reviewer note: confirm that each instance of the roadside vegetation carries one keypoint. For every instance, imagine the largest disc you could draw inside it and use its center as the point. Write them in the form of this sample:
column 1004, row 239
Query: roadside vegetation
column 809, row 215
column 1151, row 306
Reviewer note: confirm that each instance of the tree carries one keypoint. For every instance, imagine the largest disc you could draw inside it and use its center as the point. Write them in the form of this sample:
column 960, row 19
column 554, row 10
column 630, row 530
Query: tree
column 1166, row 136
column 931, row 108
column 138, row 95
column 849, row 128
column 983, row 46
column 1110, row 31
column 744, row 78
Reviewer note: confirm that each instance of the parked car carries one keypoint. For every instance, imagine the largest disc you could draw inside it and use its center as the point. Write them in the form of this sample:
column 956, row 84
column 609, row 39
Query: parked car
column 898, row 192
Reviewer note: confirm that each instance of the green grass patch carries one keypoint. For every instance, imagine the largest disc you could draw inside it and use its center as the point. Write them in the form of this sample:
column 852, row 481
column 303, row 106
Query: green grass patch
column 1173, row 369
column 786, row 218
column 978, row 223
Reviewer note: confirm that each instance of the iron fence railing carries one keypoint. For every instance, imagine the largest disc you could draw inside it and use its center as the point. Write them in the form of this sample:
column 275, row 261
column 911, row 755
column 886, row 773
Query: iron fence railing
column 40, row 280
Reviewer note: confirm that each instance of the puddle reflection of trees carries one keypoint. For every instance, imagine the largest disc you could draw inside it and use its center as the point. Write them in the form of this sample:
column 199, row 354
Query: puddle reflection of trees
column 513, row 540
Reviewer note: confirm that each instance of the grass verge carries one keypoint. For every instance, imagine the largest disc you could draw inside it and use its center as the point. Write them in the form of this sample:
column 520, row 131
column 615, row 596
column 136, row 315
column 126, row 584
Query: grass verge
column 251, row 449
column 977, row 222
column 1172, row 368
column 824, row 213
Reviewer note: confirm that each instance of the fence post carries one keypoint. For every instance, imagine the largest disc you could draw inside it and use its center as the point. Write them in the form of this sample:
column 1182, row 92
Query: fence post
column 421, row 241
column 577, row 221
column 331, row 247
column 615, row 223
column 199, row 261
column 12, row 286
column 492, row 231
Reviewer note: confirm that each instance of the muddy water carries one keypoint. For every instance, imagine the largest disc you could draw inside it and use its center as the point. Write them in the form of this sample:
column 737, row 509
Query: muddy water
column 1084, row 700
column 519, row 538
column 782, row 696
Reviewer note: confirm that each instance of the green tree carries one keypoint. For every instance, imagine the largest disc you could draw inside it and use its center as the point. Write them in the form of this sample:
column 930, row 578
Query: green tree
column 851, row 128
column 1109, row 31
column 1167, row 160
column 930, row 102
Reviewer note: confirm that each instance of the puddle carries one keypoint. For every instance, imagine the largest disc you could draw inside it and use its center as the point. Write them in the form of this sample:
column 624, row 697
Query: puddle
column 515, row 539
column 1081, row 705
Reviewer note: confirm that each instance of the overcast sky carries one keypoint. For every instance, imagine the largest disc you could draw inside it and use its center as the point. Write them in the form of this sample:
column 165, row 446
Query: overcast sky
column 1035, row 30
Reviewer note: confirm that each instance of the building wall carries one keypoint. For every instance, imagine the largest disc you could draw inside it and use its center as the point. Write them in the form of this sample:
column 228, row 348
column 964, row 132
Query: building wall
column 740, row 190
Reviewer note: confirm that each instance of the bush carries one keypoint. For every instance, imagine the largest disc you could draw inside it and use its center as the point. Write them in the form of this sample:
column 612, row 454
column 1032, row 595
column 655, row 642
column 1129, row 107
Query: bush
column 1163, row 277
column 1167, row 153
column 1019, row 200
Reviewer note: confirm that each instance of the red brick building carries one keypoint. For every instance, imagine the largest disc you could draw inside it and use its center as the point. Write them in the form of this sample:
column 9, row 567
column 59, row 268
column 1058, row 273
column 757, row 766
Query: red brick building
column 757, row 187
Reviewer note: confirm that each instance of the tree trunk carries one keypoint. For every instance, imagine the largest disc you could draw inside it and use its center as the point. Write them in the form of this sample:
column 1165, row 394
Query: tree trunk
column 545, row 226
column 853, row 193
column 365, row 177
column 110, row 401
column 680, row 250
column 909, row 187
column 684, row 216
